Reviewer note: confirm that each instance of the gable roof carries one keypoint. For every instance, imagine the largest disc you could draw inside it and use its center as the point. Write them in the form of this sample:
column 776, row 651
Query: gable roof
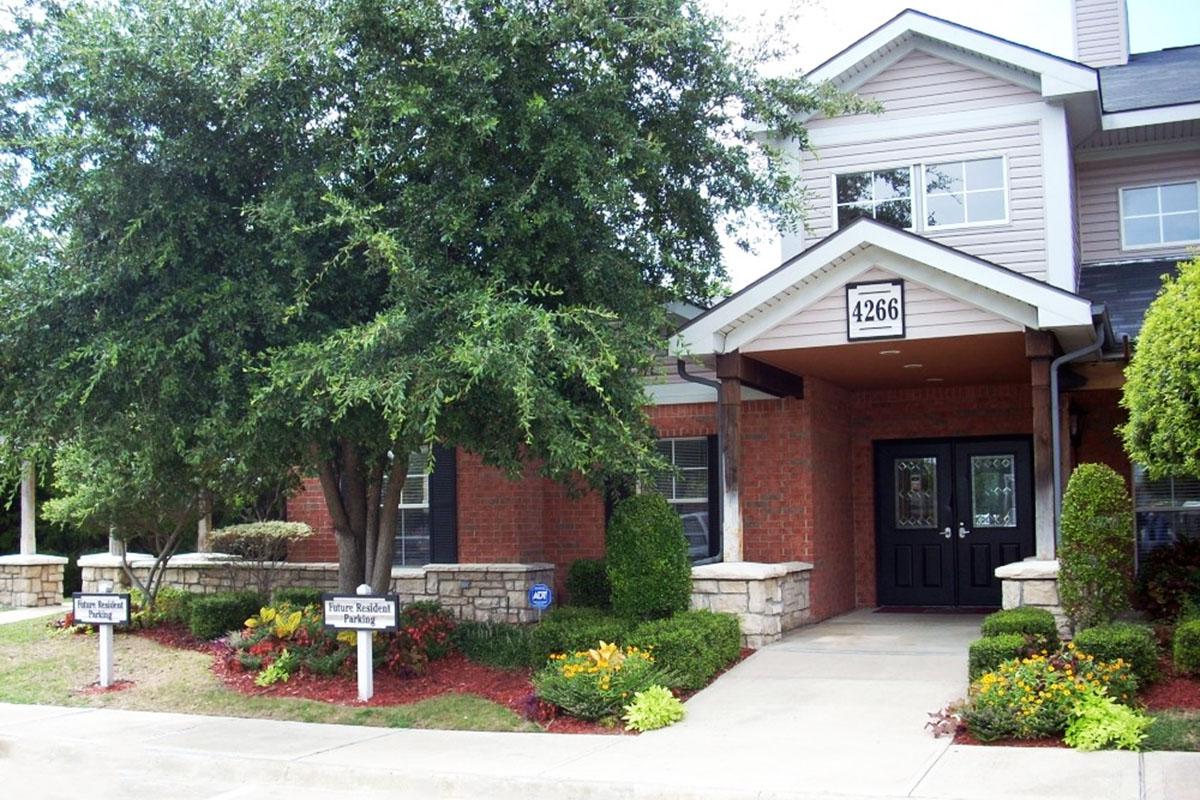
column 1150, row 80
column 813, row 273
column 1057, row 76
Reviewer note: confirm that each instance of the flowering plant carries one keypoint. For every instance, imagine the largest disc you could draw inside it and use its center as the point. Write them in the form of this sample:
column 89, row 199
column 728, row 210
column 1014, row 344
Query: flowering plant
column 598, row 682
column 1034, row 697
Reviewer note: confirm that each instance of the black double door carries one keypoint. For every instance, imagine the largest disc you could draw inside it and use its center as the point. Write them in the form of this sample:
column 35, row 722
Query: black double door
column 950, row 513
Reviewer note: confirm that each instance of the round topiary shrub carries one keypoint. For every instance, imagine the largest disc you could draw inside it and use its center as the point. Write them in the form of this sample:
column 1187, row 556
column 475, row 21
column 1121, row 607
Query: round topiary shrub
column 587, row 584
column 1096, row 555
column 647, row 560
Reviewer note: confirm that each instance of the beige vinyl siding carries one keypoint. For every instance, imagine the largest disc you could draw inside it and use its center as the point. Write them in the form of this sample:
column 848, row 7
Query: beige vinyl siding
column 920, row 84
column 1018, row 244
column 1098, row 186
column 928, row 315
column 1100, row 32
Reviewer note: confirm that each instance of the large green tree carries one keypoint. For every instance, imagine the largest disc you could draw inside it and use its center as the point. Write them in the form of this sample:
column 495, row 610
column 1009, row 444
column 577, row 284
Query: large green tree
column 1162, row 382
column 320, row 235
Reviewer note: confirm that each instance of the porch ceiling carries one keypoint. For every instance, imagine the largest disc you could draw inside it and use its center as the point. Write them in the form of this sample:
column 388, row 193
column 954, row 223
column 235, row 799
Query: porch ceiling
column 956, row 361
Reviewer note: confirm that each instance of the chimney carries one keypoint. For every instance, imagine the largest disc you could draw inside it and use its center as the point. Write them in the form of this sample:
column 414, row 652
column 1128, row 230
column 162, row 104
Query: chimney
column 1101, row 32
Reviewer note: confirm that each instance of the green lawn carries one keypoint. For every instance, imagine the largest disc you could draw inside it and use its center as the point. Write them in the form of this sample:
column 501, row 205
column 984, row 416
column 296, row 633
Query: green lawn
column 40, row 666
column 1174, row 730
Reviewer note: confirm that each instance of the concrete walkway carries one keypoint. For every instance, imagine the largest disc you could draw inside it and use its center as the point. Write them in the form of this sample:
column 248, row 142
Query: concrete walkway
column 834, row 711
column 22, row 614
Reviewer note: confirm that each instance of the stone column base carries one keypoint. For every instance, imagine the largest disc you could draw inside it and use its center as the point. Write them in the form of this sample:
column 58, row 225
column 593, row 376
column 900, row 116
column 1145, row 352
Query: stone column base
column 28, row 581
column 1034, row 583
column 768, row 599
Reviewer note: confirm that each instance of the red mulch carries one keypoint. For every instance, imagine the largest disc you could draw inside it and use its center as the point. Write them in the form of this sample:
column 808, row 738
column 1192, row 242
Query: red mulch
column 455, row 673
column 964, row 737
column 96, row 688
column 1172, row 690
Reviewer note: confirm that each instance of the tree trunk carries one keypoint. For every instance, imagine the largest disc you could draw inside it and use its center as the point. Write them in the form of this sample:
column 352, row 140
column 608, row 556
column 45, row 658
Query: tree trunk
column 385, row 536
column 351, row 570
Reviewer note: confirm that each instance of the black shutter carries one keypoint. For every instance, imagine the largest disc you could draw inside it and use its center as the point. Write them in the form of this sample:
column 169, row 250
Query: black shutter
column 714, row 496
column 443, row 507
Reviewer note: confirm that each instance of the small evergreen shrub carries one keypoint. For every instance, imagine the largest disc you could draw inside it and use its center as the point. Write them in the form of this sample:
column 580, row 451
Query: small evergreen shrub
column 1170, row 579
column 647, row 562
column 652, row 709
column 496, row 644
column 567, row 629
column 170, row 605
column 1095, row 559
column 1036, row 622
column 298, row 596
column 587, row 584
column 1132, row 643
column 691, row 646
column 1186, row 647
column 988, row 653
column 215, row 615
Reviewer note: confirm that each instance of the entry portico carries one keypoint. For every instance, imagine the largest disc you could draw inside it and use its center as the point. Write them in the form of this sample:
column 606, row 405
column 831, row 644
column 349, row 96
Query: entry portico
column 956, row 378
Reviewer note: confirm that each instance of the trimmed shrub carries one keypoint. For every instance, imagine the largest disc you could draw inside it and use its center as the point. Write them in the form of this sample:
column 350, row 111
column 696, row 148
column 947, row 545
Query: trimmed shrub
column 988, row 653
column 298, row 596
column 170, row 605
column 1096, row 556
column 647, row 563
column 1170, row 579
column 690, row 647
column 1186, row 647
column 567, row 629
column 587, row 584
column 1132, row 643
column 215, row 615
column 260, row 544
column 1037, row 622
column 496, row 644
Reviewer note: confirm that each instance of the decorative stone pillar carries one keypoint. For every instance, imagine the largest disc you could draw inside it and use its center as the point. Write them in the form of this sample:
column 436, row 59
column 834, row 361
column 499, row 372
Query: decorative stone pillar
column 1034, row 583
column 768, row 599
column 31, row 580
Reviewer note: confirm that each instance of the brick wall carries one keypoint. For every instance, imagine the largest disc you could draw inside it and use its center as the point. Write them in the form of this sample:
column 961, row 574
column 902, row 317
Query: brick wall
column 499, row 519
column 308, row 506
column 1098, row 414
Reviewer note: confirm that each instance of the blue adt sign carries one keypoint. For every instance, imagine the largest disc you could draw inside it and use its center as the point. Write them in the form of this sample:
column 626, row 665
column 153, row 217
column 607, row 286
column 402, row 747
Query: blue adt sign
column 540, row 596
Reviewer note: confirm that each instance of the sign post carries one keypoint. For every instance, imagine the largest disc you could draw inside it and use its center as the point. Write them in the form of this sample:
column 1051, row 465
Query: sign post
column 365, row 613
column 103, row 609
column 540, row 597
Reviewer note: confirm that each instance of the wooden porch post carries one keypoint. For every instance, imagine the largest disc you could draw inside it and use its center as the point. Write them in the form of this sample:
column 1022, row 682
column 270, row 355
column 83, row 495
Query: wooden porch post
column 1039, row 348
column 28, row 509
column 729, row 413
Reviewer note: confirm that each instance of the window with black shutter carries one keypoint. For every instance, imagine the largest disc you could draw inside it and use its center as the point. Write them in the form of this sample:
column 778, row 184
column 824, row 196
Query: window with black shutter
column 692, row 488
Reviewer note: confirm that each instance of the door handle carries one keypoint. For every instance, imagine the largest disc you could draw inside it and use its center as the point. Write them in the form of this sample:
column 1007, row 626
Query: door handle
column 962, row 531
column 947, row 532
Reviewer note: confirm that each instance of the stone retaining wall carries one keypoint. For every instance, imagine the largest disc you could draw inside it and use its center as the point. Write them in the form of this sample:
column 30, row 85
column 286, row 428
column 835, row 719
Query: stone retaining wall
column 1034, row 583
column 31, row 580
column 482, row 592
column 768, row 599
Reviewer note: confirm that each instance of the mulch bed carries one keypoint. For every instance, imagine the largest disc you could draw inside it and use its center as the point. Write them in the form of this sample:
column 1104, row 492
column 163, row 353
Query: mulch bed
column 96, row 688
column 1172, row 691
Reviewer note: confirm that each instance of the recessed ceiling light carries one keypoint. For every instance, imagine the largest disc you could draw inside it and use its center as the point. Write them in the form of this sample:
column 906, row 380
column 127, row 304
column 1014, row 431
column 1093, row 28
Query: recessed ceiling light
column 934, row 380
column 889, row 352
column 913, row 366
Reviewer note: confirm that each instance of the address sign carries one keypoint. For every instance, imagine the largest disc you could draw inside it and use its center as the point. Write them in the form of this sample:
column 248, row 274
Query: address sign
column 875, row 310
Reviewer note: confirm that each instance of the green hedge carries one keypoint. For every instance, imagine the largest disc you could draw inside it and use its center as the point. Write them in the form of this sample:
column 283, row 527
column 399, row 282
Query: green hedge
column 497, row 644
column 296, row 596
column 1025, row 621
column 692, row 646
column 990, row 652
column 647, row 562
column 215, row 615
column 571, row 628
column 1133, row 643
column 1095, row 575
column 587, row 584
column 1187, row 647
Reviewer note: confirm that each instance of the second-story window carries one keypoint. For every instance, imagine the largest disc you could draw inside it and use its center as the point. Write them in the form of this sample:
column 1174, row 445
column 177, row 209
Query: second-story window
column 883, row 194
column 964, row 192
column 1158, row 215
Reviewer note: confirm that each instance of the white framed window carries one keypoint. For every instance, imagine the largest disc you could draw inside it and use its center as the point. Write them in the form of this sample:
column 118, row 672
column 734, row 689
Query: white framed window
column 1165, row 510
column 1164, row 214
column 963, row 193
column 882, row 194
column 413, row 541
column 687, row 488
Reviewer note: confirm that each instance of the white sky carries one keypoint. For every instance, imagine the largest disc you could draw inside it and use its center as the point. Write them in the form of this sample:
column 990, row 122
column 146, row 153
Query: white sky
column 824, row 28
